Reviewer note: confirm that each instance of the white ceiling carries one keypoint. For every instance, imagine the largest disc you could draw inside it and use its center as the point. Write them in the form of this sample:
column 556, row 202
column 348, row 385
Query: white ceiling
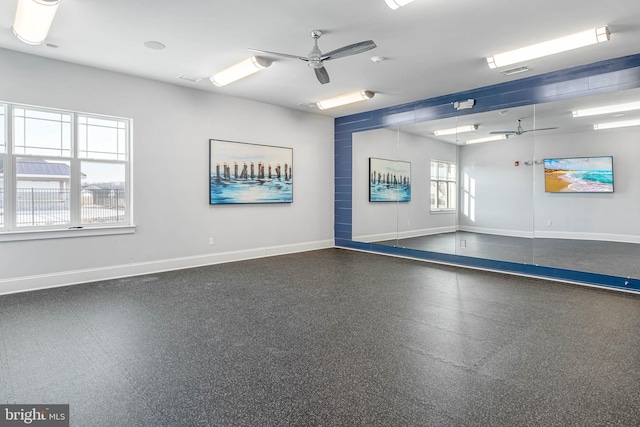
column 432, row 47
column 558, row 115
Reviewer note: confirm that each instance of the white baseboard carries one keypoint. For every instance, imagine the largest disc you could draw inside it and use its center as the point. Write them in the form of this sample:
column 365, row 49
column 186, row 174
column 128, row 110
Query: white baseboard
column 66, row 278
column 620, row 238
column 370, row 238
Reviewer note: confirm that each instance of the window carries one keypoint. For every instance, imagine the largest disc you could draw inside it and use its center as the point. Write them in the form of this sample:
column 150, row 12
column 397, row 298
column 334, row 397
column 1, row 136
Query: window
column 443, row 186
column 62, row 169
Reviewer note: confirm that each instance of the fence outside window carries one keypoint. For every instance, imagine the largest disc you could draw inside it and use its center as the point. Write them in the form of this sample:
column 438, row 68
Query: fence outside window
column 46, row 206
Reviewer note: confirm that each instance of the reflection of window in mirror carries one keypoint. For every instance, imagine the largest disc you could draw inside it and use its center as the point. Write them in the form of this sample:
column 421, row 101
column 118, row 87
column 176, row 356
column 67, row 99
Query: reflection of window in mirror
column 443, row 186
column 469, row 197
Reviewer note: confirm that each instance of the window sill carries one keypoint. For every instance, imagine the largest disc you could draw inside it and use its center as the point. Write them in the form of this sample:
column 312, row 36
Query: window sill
column 442, row 211
column 63, row 233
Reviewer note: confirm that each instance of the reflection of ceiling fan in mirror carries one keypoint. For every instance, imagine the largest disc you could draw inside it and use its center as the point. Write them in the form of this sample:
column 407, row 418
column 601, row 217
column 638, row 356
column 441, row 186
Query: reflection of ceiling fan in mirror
column 518, row 131
column 316, row 58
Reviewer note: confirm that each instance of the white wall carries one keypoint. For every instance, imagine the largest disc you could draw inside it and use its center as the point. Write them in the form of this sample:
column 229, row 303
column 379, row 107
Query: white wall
column 373, row 221
column 612, row 216
column 512, row 201
column 171, row 129
column 504, row 192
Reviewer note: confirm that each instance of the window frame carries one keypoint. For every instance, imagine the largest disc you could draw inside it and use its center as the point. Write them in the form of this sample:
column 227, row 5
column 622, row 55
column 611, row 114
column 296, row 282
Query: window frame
column 447, row 182
column 11, row 231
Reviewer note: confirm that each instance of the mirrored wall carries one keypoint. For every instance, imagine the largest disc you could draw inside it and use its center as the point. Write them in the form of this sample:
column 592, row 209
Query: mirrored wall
column 552, row 184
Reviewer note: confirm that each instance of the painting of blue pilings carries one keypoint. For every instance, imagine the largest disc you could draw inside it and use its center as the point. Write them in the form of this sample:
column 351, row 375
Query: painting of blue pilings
column 244, row 173
column 389, row 180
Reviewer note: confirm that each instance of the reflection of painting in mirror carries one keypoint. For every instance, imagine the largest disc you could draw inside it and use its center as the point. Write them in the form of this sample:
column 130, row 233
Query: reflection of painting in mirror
column 579, row 175
column 389, row 180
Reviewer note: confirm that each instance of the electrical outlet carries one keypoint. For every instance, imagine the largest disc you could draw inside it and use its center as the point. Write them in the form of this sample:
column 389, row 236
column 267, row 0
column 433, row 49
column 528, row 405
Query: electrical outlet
column 211, row 241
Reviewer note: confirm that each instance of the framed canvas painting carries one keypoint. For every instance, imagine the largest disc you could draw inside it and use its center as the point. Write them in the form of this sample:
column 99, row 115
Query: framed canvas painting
column 389, row 180
column 244, row 173
column 579, row 175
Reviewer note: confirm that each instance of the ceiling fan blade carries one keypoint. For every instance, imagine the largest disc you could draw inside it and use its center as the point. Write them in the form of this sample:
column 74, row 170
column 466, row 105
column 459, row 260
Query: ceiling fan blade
column 322, row 75
column 352, row 49
column 284, row 55
column 535, row 130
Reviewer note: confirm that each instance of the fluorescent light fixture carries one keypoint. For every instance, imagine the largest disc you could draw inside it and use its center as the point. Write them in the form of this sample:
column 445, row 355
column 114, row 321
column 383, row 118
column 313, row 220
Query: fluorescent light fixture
column 609, row 109
column 612, row 125
column 487, row 139
column 453, row 131
column 240, row 70
column 562, row 44
column 348, row 98
column 394, row 4
column 33, row 20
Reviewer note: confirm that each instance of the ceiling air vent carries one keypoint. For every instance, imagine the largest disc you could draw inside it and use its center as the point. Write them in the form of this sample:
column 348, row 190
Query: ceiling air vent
column 189, row 78
column 516, row 70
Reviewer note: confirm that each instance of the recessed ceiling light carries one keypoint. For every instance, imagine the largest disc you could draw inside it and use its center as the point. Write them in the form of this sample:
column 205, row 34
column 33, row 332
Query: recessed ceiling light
column 377, row 59
column 154, row 45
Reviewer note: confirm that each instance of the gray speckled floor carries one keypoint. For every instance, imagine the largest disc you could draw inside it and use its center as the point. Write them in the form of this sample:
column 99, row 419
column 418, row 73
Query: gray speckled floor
column 329, row 337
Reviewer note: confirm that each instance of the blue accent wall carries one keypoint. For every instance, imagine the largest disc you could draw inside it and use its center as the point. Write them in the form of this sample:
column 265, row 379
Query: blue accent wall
column 600, row 77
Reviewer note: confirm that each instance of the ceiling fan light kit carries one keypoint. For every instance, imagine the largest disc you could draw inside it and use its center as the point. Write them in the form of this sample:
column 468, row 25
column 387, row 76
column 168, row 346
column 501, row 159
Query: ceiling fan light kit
column 240, row 70
column 345, row 99
column 394, row 4
column 562, row 44
column 33, row 20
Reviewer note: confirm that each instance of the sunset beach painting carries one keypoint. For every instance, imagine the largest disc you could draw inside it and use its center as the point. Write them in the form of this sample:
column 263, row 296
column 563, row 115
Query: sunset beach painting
column 579, row 175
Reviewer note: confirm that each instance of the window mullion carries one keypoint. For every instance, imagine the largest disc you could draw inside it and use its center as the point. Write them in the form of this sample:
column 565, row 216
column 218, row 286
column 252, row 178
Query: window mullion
column 76, row 175
column 9, row 174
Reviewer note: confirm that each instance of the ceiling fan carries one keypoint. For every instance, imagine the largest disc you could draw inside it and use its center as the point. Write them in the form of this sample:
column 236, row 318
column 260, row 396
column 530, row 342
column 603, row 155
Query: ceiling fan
column 519, row 130
column 316, row 58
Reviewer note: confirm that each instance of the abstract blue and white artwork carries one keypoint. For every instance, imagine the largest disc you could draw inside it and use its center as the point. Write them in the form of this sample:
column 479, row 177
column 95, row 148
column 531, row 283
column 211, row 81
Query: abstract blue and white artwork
column 389, row 180
column 241, row 173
